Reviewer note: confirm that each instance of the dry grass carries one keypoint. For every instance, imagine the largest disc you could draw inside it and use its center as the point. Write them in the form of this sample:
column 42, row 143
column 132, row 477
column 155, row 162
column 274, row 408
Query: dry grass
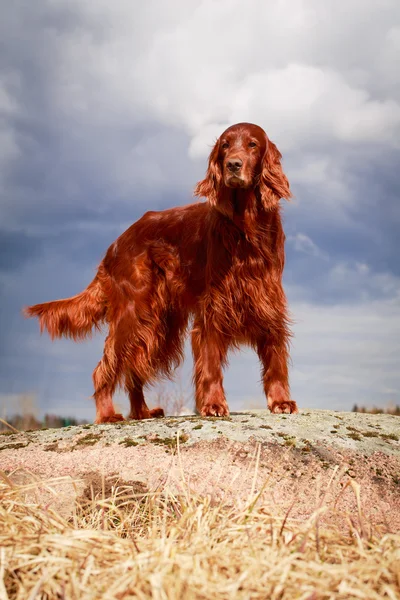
column 123, row 544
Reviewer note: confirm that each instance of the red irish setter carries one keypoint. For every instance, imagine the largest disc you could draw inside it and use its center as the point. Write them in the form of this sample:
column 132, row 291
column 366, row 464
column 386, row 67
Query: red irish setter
column 218, row 261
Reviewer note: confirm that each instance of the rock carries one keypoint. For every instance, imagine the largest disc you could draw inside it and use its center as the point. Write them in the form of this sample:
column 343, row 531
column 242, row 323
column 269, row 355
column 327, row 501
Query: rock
column 297, row 460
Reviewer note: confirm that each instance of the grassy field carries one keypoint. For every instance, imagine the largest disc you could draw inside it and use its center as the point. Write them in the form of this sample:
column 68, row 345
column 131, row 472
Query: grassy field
column 121, row 543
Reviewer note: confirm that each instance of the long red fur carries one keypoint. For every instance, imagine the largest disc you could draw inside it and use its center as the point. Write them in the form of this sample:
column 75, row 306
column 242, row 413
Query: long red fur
column 218, row 262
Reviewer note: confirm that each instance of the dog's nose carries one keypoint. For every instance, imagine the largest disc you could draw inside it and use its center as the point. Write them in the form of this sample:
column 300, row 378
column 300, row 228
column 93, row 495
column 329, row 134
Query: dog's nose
column 234, row 164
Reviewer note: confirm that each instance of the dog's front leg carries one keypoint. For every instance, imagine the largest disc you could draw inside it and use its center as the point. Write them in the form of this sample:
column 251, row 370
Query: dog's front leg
column 209, row 353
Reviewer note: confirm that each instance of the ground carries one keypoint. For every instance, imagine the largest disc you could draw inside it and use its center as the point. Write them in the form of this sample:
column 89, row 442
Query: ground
column 293, row 461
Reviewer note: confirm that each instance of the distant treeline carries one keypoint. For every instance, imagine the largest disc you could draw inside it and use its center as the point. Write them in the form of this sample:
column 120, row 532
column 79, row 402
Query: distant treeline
column 392, row 410
column 26, row 422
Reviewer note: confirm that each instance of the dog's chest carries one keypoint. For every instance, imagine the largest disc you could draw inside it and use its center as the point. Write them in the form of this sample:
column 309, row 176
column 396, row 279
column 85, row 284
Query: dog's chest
column 239, row 293
column 245, row 282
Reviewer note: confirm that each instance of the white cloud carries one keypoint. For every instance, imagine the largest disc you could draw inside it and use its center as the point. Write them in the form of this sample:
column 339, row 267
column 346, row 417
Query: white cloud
column 317, row 76
column 339, row 281
column 302, row 105
column 303, row 243
column 345, row 354
column 358, row 277
column 204, row 64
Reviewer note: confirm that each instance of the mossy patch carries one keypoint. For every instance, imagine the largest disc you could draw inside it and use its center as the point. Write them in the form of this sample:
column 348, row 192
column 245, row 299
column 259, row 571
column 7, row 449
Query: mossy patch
column 171, row 422
column 354, row 436
column 389, row 436
column 128, row 442
column 15, row 446
column 199, row 426
column 89, row 440
column 290, row 442
column 172, row 441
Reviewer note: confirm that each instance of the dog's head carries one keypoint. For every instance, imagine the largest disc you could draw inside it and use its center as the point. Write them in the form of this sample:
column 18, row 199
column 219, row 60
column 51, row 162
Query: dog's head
column 244, row 158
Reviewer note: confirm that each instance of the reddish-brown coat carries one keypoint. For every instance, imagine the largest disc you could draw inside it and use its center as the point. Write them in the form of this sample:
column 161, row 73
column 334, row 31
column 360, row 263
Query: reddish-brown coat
column 219, row 261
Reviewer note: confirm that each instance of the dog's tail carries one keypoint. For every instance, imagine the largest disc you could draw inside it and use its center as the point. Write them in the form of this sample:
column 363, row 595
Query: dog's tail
column 73, row 317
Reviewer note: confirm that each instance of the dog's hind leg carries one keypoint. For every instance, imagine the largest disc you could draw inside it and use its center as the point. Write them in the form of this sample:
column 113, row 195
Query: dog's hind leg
column 105, row 379
column 146, row 334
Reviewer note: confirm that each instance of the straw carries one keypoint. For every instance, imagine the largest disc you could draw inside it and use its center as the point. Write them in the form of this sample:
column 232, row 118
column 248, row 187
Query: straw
column 164, row 545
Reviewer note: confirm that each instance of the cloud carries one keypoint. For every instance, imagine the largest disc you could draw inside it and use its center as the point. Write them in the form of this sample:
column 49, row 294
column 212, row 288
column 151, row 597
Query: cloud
column 106, row 97
column 302, row 106
column 110, row 109
column 331, row 282
column 197, row 68
column 346, row 354
column 303, row 243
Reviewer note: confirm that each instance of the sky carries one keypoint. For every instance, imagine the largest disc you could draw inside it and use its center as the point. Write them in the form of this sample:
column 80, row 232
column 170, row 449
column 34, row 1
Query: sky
column 109, row 109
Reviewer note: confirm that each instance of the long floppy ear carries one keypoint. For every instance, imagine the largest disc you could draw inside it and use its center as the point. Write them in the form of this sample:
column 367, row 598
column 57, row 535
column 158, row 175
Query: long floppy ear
column 210, row 186
column 274, row 184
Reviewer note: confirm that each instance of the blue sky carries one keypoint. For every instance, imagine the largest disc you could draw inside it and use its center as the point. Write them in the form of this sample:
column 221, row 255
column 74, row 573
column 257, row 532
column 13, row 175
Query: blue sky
column 108, row 109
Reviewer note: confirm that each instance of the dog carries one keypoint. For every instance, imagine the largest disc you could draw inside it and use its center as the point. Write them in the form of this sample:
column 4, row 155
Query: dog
column 216, row 265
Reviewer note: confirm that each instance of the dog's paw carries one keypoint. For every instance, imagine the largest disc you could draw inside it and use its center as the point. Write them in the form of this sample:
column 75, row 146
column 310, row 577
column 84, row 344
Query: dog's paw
column 284, row 406
column 157, row 412
column 215, row 409
column 115, row 418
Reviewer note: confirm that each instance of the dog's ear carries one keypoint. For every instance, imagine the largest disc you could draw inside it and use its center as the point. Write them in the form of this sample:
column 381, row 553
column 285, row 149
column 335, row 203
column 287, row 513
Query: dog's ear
column 211, row 184
column 274, row 184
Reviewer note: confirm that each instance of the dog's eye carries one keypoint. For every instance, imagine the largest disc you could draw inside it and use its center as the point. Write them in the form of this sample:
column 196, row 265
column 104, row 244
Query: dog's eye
column 252, row 144
column 225, row 145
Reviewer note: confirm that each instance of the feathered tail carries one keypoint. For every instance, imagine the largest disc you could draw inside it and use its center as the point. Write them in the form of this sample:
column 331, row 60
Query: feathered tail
column 73, row 317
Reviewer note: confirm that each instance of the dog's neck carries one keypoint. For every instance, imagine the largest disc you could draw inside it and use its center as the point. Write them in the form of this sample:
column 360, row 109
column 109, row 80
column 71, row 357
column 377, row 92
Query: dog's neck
column 243, row 202
column 242, row 207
